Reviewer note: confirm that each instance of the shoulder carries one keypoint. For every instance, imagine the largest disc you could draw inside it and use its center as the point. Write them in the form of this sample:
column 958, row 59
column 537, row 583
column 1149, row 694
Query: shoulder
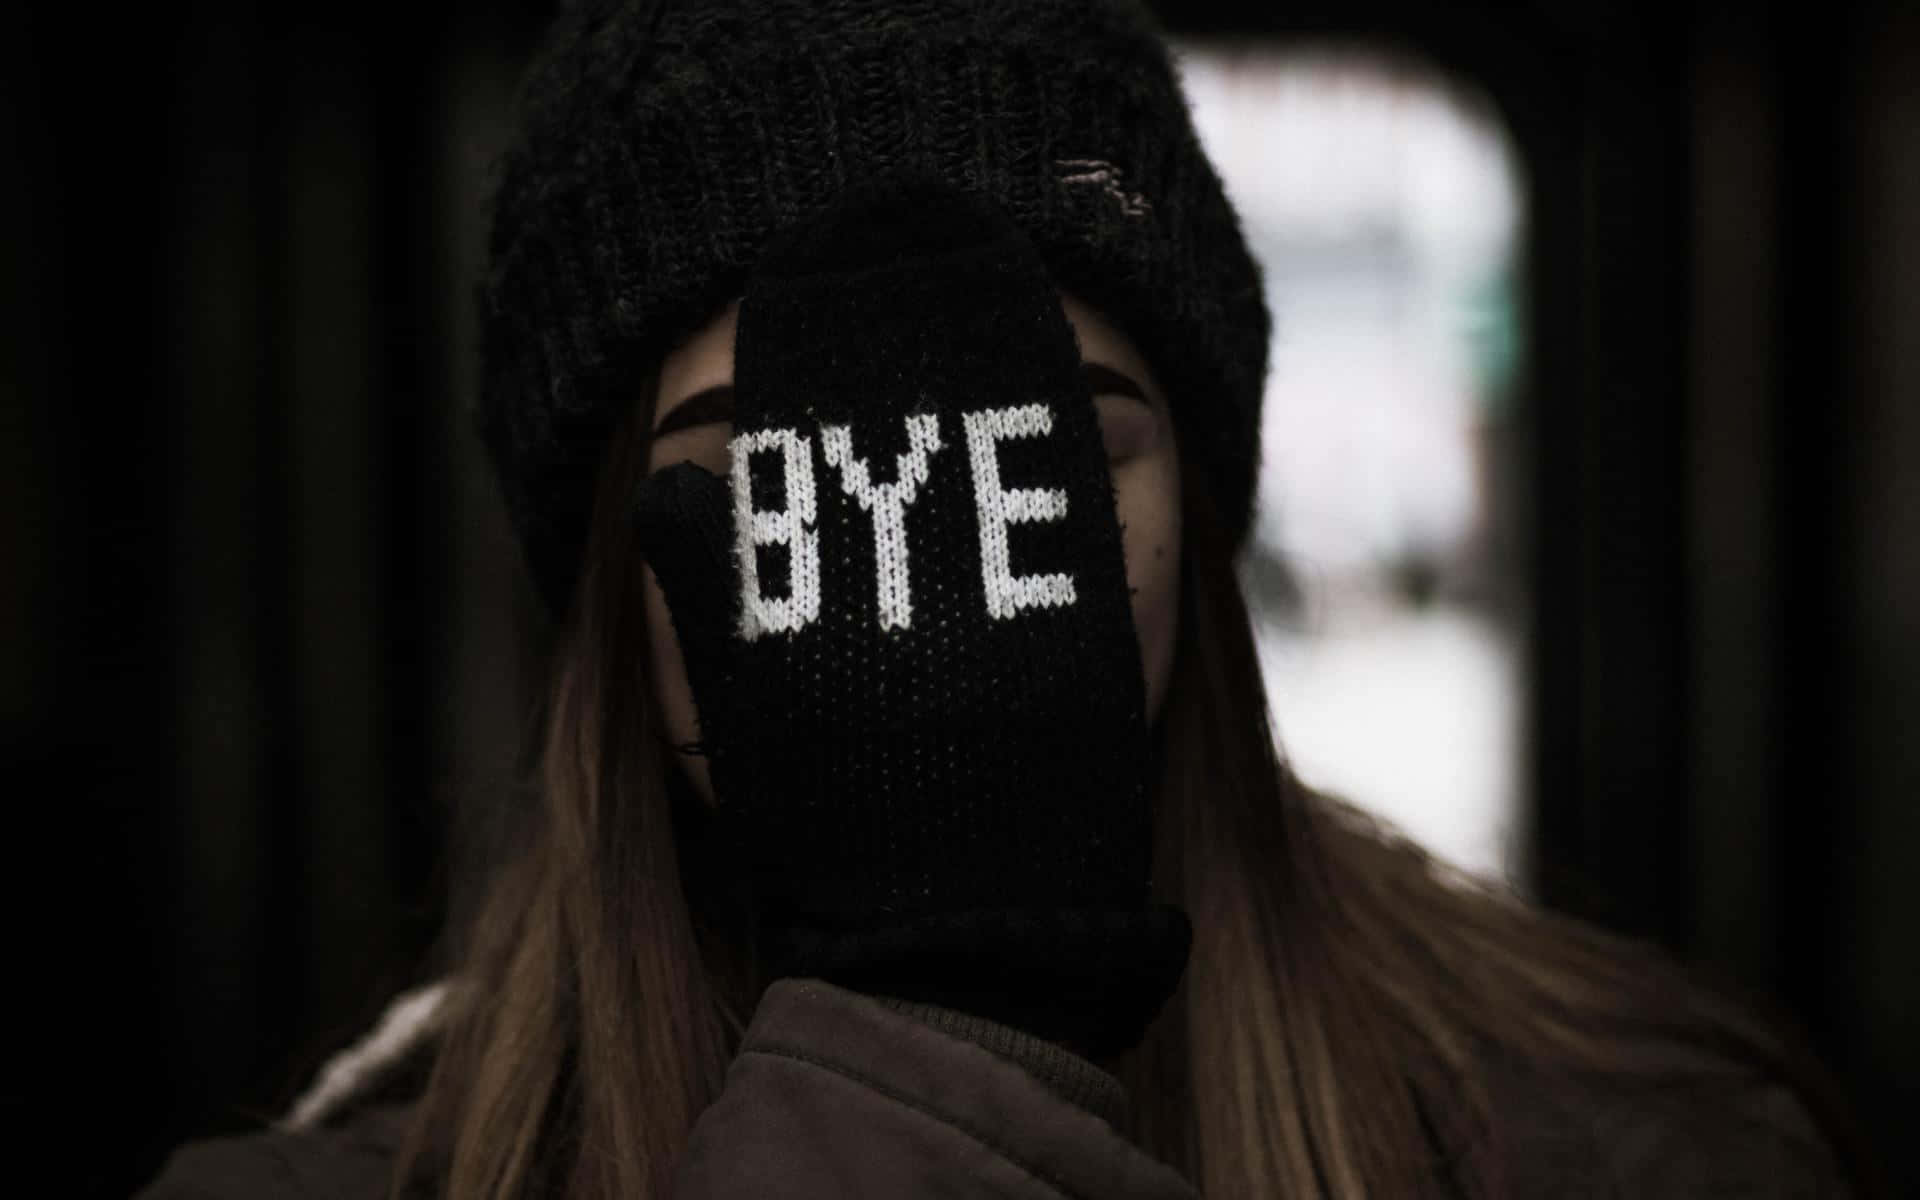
column 1675, row 1135
column 341, row 1137
column 346, row 1161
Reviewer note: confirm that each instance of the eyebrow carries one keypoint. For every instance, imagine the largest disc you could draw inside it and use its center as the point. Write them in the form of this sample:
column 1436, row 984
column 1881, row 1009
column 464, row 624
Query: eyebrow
column 715, row 404
column 1104, row 380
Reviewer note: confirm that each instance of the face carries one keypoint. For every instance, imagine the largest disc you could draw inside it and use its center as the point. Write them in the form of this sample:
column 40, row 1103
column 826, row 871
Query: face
column 1134, row 422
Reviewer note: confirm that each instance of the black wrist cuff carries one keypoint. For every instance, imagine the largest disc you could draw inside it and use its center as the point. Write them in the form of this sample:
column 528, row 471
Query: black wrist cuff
column 1092, row 980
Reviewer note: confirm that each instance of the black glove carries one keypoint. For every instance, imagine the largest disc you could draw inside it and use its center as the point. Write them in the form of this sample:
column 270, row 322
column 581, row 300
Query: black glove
column 907, row 628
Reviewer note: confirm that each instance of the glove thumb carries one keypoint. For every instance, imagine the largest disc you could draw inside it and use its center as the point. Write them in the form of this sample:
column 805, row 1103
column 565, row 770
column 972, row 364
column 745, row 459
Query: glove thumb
column 683, row 527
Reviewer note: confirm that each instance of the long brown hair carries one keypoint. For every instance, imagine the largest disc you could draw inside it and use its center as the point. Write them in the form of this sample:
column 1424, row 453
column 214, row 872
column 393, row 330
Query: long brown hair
column 1341, row 1028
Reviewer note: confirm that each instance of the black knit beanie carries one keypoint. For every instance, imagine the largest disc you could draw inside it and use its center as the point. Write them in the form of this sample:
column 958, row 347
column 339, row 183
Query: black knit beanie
column 664, row 141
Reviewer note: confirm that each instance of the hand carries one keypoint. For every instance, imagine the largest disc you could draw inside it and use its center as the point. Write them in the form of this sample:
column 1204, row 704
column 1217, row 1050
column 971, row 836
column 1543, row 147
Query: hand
column 908, row 633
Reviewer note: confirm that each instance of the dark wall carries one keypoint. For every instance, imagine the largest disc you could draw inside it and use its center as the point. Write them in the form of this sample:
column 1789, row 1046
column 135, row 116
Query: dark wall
column 263, row 620
column 262, row 616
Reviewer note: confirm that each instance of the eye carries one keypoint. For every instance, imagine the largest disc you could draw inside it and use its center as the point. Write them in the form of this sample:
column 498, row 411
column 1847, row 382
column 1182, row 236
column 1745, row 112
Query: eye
column 1128, row 427
column 1129, row 423
column 695, row 430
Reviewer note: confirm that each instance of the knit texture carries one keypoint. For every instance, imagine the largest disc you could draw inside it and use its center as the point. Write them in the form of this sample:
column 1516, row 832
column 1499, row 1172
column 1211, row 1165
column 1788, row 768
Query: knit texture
column 908, row 631
column 1064, row 1073
column 663, row 142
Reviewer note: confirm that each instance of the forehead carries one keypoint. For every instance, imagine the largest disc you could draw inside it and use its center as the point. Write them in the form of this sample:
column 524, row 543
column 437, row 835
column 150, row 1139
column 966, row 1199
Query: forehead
column 706, row 359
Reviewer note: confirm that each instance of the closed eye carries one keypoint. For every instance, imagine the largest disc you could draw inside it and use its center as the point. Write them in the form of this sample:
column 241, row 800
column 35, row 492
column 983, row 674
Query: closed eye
column 1129, row 426
column 695, row 430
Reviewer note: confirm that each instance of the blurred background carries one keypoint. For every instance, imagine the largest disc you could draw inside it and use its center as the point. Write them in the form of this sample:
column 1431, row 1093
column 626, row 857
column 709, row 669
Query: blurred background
column 1589, row 544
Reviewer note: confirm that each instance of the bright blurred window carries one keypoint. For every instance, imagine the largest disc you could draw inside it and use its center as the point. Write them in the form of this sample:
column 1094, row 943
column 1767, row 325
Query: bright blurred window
column 1384, row 202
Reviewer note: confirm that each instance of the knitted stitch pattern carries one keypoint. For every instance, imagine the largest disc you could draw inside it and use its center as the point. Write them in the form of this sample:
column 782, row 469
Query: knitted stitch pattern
column 906, row 623
column 664, row 141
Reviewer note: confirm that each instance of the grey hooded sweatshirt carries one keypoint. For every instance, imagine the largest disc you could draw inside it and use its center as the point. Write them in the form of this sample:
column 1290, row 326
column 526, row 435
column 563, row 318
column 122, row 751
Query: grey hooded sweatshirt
column 835, row 1093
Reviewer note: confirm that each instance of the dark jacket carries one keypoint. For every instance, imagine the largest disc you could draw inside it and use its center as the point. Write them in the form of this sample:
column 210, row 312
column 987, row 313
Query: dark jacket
column 839, row 1094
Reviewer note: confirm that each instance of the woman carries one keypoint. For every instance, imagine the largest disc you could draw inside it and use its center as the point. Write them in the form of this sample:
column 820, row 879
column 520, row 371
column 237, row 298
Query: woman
column 874, row 387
